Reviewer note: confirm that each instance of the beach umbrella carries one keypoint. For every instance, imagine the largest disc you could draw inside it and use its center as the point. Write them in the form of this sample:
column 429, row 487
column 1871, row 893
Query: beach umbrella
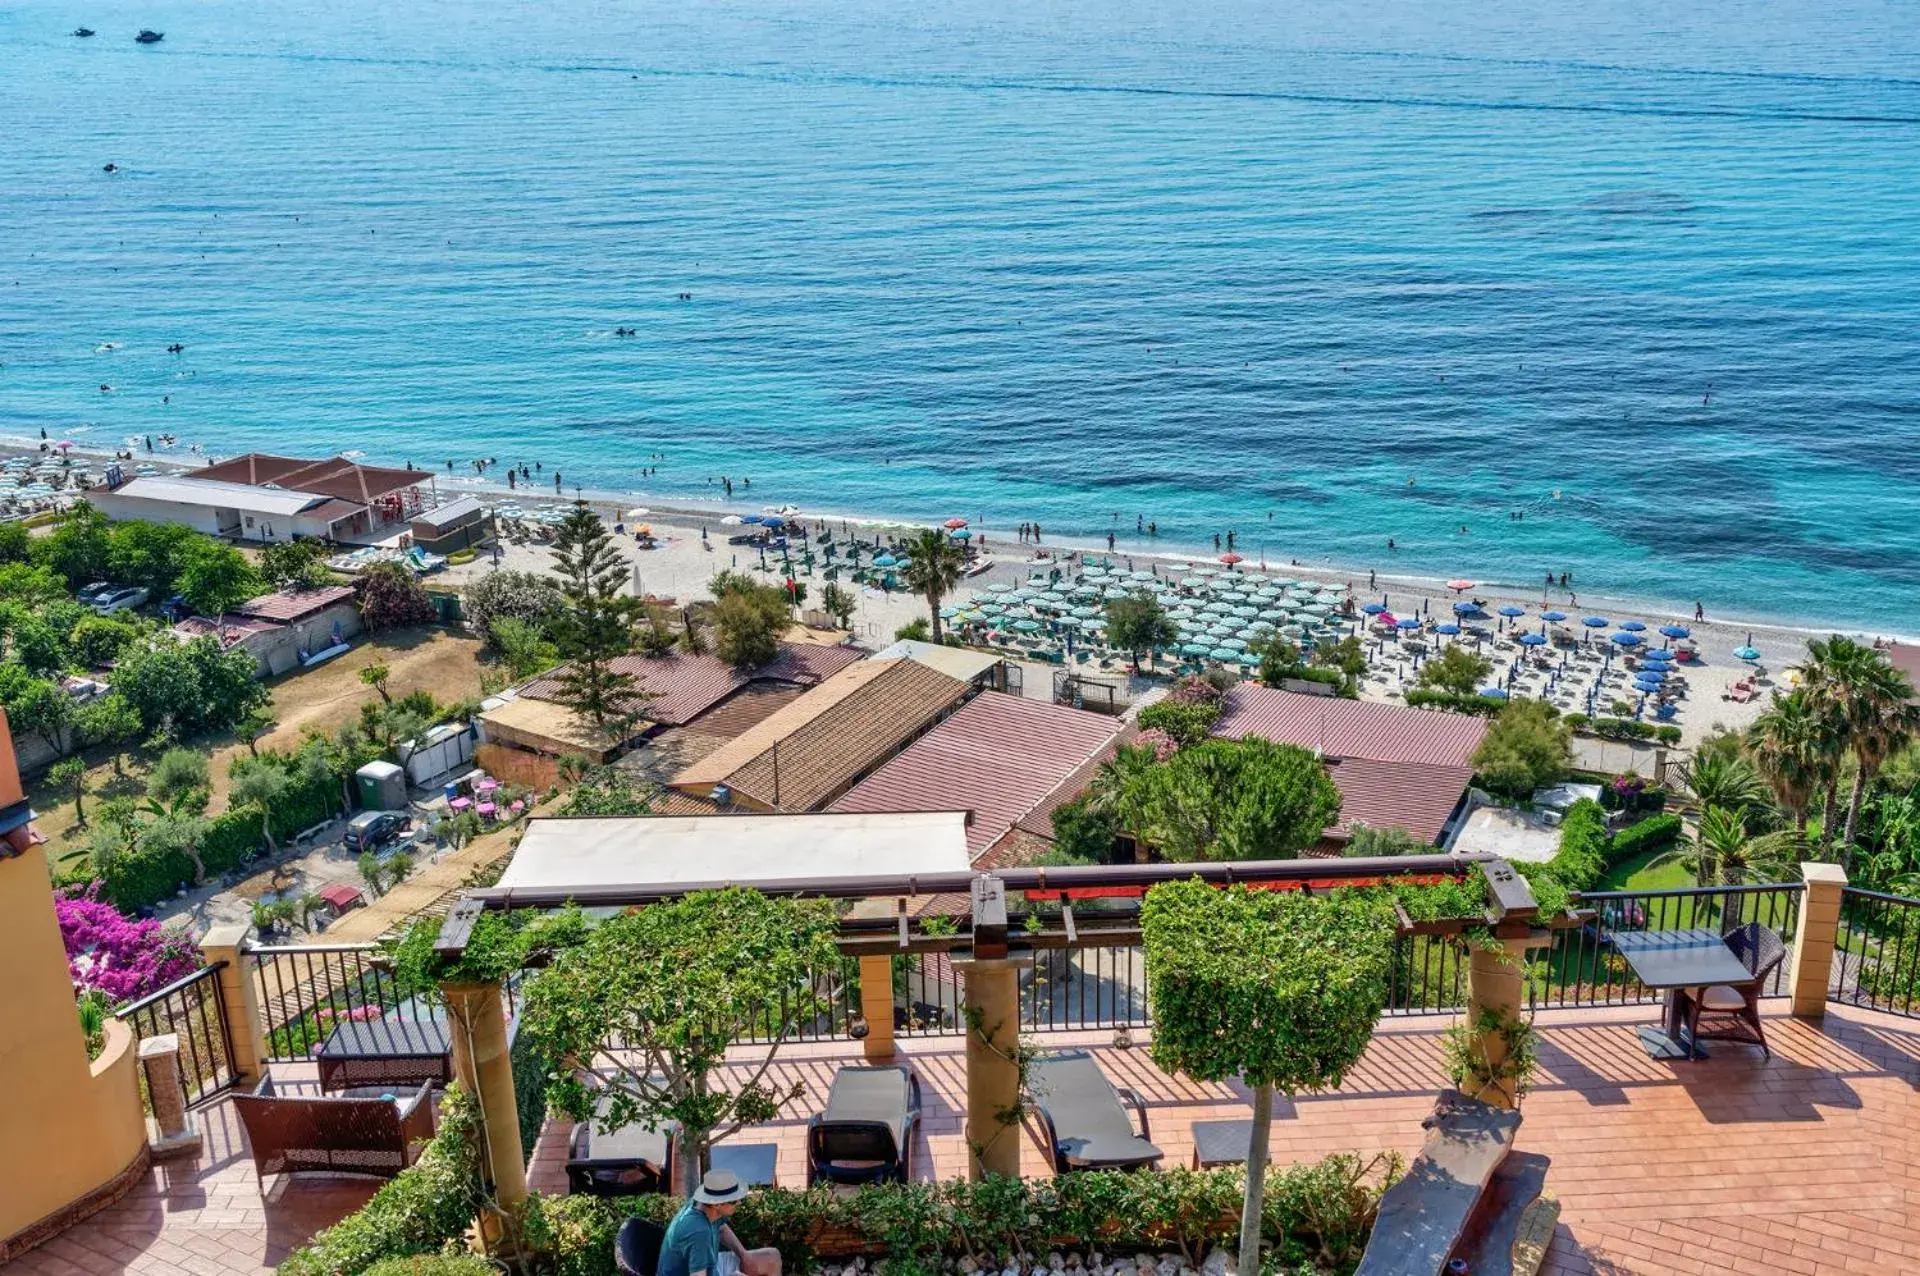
column 1000, row 587
column 1114, row 592
column 772, row 520
column 1202, row 569
column 1676, row 631
column 961, row 534
column 1595, row 622
column 1462, row 584
column 1224, row 653
column 1633, row 626
column 1194, row 649
column 1449, row 629
column 1230, row 559
column 1246, row 613
column 1317, row 611
column 954, row 524
column 1627, row 640
column 886, row 560
column 1653, row 676
column 1233, row 644
column 1459, row 609
column 1374, row 609
column 1555, row 616
column 1748, row 653
column 1407, row 622
column 750, row 518
column 948, row 613
column 1144, row 577
column 1533, row 640
column 1510, row 611
column 1494, row 693
column 1027, row 626
column 989, row 608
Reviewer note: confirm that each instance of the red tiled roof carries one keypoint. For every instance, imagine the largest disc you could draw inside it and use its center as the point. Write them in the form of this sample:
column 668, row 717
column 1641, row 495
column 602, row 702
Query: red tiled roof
column 295, row 604
column 1039, row 820
column 335, row 476
column 230, row 628
column 1341, row 728
column 997, row 756
column 1414, row 796
column 684, row 687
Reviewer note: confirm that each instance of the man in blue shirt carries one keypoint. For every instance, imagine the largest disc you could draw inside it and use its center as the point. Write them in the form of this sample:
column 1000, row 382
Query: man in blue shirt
column 699, row 1242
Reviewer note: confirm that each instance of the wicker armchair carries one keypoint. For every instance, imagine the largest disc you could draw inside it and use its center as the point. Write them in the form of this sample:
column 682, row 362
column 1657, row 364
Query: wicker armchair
column 1731, row 1012
column 365, row 1132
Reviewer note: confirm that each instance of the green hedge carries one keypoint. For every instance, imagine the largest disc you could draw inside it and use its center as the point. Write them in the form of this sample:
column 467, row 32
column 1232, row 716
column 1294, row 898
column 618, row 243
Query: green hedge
column 434, row 1265
column 1582, row 859
column 1453, row 701
column 425, row 1210
column 139, row 879
column 1655, row 833
column 531, row 1073
column 1316, row 1216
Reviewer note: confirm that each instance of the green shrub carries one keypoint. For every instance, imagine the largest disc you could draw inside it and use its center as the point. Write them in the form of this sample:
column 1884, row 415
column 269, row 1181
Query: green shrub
column 1667, row 733
column 1427, row 698
column 1320, row 1213
column 531, row 1072
column 1653, row 834
column 1188, row 722
column 424, row 1211
column 434, row 1265
column 1582, row 859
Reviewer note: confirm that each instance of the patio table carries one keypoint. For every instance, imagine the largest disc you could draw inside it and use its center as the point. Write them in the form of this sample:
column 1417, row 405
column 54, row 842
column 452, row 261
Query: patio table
column 1669, row 960
column 1221, row 1143
column 395, row 1050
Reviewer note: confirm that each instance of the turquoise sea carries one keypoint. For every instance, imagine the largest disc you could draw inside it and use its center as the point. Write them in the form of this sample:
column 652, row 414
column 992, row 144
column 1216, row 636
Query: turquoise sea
column 1324, row 273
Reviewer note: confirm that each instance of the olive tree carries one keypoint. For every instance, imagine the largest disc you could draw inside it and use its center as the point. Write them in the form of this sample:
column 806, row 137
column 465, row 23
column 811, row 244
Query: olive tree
column 677, row 983
column 1279, row 988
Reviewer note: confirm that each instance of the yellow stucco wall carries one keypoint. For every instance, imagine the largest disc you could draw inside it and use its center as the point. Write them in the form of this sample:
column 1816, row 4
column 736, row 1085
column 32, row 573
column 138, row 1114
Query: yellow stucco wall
column 67, row 1126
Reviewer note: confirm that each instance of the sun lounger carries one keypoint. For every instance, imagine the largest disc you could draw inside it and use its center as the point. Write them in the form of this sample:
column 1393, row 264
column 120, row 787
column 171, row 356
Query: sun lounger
column 866, row 1133
column 1086, row 1126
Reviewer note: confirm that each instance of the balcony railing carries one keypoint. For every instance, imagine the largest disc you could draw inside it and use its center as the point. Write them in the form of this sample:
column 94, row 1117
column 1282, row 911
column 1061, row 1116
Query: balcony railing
column 191, row 1009
column 1876, row 959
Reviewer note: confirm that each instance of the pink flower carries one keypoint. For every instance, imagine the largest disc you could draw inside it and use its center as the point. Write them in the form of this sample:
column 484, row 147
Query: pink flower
column 1163, row 745
column 110, row 951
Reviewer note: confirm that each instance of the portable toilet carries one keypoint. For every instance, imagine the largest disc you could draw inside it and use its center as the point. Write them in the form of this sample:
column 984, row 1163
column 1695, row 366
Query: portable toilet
column 383, row 787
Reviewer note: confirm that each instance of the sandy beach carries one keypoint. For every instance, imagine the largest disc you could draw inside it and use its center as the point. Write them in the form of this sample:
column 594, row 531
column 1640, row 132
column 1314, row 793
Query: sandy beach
column 682, row 563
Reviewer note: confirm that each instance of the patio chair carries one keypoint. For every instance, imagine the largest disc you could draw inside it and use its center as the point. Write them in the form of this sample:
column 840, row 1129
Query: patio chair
column 1086, row 1126
column 365, row 1131
column 1731, row 1012
column 636, row 1247
column 866, row 1133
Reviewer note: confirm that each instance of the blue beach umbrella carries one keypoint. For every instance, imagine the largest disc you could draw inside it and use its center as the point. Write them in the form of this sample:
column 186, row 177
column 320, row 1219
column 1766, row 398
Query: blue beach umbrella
column 1373, row 609
column 961, row 534
column 948, row 613
column 1533, row 640
column 886, row 560
column 1554, row 616
column 1194, row 649
column 1676, row 631
column 1224, row 653
column 772, row 520
column 1653, row 676
column 1494, row 693
column 1633, row 626
column 1511, row 611
column 1746, row 653
column 1449, row 629
column 1596, row 622
column 1626, row 640
column 1406, row 622
column 1459, row 609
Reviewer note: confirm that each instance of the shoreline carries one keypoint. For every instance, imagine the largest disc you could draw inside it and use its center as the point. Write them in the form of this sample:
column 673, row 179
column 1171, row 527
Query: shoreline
column 1771, row 635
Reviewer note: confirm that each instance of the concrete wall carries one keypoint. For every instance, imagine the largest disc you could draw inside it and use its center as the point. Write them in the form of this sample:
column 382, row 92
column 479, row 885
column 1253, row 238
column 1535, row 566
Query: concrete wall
column 208, row 519
column 279, row 651
column 69, row 1127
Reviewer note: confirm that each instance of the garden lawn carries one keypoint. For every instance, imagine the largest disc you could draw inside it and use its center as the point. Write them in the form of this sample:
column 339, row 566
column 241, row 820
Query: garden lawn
column 1642, row 873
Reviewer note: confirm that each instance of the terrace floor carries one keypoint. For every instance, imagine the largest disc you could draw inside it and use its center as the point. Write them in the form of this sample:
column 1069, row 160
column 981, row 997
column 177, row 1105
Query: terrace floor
column 1805, row 1163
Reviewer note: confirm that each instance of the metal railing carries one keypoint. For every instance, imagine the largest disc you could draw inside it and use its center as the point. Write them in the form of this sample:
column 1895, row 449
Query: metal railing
column 191, row 1009
column 1427, row 975
column 1583, row 968
column 1876, row 959
column 306, row 989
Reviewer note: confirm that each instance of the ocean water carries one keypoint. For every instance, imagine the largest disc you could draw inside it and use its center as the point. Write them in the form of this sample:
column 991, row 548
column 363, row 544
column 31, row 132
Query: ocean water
column 1647, row 275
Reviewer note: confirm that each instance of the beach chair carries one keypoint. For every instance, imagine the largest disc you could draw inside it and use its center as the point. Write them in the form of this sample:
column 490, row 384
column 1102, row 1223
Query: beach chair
column 1086, row 1126
column 636, row 1247
column 866, row 1133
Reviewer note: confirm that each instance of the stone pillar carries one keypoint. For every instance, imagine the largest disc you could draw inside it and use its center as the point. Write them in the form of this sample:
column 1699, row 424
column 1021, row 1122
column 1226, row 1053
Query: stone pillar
column 171, row 1133
column 876, row 1007
column 1813, row 938
column 1496, row 982
column 482, row 1063
column 239, row 998
column 992, row 1012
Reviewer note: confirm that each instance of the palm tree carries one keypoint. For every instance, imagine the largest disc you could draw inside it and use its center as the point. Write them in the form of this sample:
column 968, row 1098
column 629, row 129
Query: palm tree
column 1725, row 854
column 1886, row 721
column 1724, row 780
column 934, row 566
column 1121, row 788
column 1785, row 742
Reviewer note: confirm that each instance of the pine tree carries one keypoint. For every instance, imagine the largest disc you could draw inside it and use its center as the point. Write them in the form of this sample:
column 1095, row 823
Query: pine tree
column 597, row 625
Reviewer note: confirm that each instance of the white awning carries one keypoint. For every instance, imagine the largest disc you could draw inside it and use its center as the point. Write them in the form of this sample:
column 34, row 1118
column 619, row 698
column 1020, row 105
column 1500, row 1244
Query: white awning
column 692, row 852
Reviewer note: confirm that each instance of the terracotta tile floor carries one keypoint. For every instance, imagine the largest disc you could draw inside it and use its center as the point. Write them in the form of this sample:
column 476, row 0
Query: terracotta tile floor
column 1806, row 1163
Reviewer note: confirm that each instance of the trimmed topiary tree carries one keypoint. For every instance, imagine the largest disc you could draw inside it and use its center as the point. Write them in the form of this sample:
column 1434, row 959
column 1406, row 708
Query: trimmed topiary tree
column 1280, row 989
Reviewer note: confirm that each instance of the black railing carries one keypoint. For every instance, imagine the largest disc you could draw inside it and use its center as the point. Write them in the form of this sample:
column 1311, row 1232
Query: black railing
column 1876, row 959
column 1428, row 974
column 191, row 1009
column 1582, row 968
column 1073, row 988
column 826, row 1011
column 307, row 989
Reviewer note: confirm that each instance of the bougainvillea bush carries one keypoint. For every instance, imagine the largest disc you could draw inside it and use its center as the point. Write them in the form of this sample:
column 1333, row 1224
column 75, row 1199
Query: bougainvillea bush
column 110, row 951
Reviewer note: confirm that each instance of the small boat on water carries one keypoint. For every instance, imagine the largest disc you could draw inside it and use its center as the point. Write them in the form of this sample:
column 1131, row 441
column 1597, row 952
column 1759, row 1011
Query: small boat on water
column 149, row 37
column 83, row 32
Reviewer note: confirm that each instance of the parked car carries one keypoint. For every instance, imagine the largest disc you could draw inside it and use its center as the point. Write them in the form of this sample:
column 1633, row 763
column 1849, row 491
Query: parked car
column 120, row 598
column 91, row 594
column 175, row 609
column 371, row 830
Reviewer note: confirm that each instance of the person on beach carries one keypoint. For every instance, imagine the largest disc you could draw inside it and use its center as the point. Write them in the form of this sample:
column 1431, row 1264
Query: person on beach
column 1139, row 522
column 1229, row 540
column 1371, row 579
column 1699, row 612
column 556, row 480
column 1109, row 542
column 1153, row 529
column 1036, row 533
column 1216, row 540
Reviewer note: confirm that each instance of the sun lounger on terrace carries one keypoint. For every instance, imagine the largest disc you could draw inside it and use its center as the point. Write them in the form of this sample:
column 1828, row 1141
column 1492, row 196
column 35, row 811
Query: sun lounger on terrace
column 1086, row 1126
column 866, row 1133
